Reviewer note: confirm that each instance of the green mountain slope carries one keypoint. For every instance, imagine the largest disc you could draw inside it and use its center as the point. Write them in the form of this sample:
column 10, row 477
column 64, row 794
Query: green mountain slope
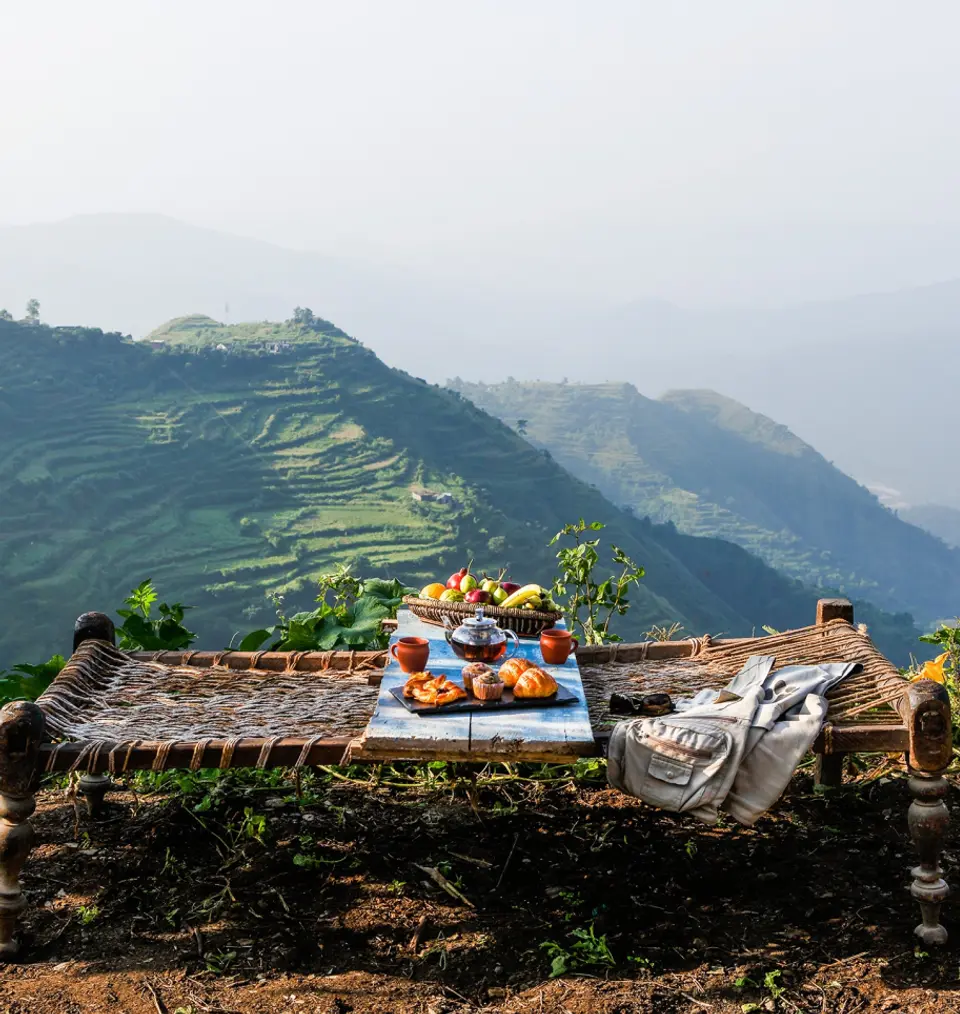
column 228, row 463
column 715, row 468
column 944, row 522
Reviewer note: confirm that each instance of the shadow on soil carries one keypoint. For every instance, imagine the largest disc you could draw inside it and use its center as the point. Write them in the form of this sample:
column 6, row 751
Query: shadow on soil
column 564, row 877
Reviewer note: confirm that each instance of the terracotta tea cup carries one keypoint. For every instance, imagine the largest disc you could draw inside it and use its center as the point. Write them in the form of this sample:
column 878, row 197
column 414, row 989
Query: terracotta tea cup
column 556, row 645
column 411, row 652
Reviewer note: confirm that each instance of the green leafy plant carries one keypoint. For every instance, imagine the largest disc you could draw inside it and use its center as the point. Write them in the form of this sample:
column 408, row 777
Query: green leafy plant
column 88, row 914
column 349, row 615
column 590, row 606
column 140, row 632
column 770, row 982
column 219, row 962
column 585, row 950
column 26, row 682
column 308, row 862
column 254, row 825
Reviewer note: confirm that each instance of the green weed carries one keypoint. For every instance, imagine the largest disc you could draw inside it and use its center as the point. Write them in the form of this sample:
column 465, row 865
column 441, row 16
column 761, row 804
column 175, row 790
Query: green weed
column 88, row 914
column 584, row 950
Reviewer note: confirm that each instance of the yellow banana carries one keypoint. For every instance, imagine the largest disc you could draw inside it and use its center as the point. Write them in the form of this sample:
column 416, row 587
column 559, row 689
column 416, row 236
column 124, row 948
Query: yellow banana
column 528, row 593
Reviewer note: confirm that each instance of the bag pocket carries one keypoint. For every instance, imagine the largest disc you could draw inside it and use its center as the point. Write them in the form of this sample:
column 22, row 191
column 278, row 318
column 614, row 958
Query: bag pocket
column 677, row 766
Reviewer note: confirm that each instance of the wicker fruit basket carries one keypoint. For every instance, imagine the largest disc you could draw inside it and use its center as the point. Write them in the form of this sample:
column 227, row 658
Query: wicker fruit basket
column 523, row 622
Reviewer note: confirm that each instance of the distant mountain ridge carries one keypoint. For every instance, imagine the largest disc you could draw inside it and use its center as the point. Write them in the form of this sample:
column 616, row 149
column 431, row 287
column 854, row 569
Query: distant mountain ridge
column 849, row 376
column 715, row 468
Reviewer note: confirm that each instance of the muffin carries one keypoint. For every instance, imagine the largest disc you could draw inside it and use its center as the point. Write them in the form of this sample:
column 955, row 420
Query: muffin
column 472, row 671
column 511, row 671
column 488, row 687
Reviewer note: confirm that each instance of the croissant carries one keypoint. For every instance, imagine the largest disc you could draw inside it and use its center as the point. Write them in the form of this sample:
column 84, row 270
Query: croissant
column 535, row 683
column 511, row 671
column 430, row 689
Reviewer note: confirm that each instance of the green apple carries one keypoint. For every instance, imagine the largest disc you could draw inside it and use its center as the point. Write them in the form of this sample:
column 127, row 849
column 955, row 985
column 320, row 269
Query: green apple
column 452, row 595
column 467, row 583
column 499, row 595
column 489, row 585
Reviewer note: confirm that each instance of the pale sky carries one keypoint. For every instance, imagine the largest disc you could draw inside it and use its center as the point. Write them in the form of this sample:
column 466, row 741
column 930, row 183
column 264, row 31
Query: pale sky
column 724, row 150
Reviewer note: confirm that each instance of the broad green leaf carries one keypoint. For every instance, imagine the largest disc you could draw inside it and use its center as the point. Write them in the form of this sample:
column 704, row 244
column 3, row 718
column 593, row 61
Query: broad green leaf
column 49, row 668
column 390, row 593
column 255, row 639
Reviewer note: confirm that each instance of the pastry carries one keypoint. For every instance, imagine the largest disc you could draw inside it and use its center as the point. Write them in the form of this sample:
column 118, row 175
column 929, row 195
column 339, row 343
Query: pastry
column 472, row 671
column 429, row 689
column 488, row 687
column 535, row 683
column 510, row 671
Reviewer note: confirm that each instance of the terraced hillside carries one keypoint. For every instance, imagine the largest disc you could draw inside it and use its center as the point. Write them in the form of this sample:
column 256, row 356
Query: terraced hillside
column 230, row 464
column 716, row 469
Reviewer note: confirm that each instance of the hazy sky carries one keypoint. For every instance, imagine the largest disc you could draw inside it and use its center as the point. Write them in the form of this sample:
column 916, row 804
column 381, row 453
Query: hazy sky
column 715, row 151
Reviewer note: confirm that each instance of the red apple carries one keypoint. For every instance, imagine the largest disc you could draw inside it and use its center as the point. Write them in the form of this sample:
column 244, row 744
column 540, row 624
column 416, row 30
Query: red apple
column 478, row 596
column 509, row 587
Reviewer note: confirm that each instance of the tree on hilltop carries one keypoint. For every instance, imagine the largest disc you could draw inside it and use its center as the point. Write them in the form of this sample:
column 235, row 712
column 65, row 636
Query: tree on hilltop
column 303, row 316
column 33, row 312
column 6, row 315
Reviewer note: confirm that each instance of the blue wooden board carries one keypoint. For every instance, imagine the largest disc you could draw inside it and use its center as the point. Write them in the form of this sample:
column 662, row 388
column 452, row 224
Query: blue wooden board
column 540, row 734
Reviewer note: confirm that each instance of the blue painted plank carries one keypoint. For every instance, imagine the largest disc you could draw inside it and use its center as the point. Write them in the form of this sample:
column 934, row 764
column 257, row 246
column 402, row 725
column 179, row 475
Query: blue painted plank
column 550, row 733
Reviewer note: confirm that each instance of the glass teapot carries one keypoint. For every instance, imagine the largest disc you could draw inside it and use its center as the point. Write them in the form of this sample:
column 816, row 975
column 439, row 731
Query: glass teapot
column 479, row 639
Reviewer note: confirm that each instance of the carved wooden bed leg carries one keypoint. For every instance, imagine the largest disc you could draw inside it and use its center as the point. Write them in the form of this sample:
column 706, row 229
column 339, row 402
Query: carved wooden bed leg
column 21, row 733
column 928, row 819
column 927, row 715
column 93, row 788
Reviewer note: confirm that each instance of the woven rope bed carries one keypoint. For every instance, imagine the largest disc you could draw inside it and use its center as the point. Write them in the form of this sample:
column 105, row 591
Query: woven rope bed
column 108, row 711
column 112, row 711
column 683, row 668
column 115, row 704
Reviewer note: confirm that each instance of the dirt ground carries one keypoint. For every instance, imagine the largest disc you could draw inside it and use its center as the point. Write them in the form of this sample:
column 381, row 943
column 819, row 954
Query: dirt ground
column 258, row 902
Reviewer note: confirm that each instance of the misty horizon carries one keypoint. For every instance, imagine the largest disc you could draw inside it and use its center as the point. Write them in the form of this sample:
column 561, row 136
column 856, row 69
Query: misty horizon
column 755, row 199
column 746, row 156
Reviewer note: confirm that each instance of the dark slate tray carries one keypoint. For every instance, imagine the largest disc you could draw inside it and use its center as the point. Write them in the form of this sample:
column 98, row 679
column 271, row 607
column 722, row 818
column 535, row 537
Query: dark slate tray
column 506, row 703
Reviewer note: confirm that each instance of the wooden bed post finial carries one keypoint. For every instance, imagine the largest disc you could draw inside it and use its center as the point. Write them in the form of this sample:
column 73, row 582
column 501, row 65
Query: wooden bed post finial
column 93, row 627
column 834, row 609
column 21, row 733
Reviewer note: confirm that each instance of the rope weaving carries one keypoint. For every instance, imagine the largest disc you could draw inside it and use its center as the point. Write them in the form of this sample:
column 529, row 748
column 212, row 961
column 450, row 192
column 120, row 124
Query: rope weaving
column 112, row 704
column 869, row 696
column 103, row 697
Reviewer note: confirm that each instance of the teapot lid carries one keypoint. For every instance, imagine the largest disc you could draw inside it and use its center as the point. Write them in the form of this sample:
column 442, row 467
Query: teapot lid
column 479, row 622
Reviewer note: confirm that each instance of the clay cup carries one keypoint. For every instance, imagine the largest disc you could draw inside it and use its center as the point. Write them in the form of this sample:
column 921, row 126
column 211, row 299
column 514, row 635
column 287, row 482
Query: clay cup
column 556, row 645
column 411, row 652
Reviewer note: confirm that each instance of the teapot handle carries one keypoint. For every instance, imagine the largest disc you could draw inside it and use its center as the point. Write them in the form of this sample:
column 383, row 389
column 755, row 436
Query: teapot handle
column 516, row 643
column 448, row 627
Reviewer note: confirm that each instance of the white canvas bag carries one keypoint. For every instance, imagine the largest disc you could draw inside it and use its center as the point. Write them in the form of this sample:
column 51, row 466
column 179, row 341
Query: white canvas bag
column 687, row 762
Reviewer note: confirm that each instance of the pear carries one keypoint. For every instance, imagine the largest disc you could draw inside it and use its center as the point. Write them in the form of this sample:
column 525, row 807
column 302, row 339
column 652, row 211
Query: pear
column 467, row 583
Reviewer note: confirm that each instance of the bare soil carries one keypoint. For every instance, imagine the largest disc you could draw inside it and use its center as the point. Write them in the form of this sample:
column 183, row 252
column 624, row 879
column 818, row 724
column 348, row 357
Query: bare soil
column 159, row 908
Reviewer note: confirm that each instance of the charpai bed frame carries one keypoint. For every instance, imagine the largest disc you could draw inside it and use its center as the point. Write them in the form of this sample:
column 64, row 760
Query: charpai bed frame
column 109, row 712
